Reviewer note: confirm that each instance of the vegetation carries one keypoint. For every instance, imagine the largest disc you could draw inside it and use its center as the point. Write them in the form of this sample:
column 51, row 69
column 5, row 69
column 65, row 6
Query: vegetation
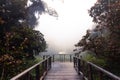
column 18, row 39
column 104, row 39
column 91, row 57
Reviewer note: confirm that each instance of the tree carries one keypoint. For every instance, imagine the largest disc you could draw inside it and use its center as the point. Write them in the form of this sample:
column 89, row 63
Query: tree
column 18, row 39
column 106, row 14
column 19, row 47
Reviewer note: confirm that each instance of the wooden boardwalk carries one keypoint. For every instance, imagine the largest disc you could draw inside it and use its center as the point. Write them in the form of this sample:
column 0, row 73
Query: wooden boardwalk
column 62, row 71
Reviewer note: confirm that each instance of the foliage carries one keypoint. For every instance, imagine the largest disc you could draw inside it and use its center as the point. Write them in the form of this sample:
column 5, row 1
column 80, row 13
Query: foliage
column 106, row 14
column 18, row 40
column 94, row 42
column 15, row 12
column 91, row 57
column 95, row 60
column 19, row 47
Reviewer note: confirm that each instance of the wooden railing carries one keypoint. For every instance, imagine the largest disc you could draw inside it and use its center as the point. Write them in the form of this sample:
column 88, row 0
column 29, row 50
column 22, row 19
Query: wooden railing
column 61, row 57
column 38, row 70
column 90, row 71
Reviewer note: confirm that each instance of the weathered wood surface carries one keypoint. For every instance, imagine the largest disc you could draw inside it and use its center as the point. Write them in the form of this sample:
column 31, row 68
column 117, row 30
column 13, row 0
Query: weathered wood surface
column 62, row 71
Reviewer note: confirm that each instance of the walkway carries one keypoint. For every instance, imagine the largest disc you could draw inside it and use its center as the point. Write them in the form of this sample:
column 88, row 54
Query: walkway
column 65, row 71
column 62, row 71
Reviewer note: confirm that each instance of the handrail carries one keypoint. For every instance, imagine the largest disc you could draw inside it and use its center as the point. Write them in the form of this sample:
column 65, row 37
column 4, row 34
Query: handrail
column 90, row 68
column 104, row 71
column 61, row 57
column 46, row 63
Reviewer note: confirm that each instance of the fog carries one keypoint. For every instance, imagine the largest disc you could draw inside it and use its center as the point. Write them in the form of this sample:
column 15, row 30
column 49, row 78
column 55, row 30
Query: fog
column 64, row 32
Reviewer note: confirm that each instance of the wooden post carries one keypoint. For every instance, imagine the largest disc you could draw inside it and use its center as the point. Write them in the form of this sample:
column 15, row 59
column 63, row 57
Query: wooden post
column 100, row 75
column 59, row 57
column 43, row 67
column 75, row 65
column 46, row 65
column 90, row 76
column 43, row 57
column 53, row 58
column 49, row 62
column 27, row 76
column 37, row 73
column 64, row 58
column 70, row 58
column 74, row 61
column 78, row 65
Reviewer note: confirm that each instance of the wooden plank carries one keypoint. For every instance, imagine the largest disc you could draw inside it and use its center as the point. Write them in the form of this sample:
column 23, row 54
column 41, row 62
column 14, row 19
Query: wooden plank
column 62, row 71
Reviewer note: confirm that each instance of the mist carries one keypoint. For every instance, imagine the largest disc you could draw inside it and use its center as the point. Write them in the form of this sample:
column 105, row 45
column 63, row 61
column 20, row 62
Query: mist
column 63, row 32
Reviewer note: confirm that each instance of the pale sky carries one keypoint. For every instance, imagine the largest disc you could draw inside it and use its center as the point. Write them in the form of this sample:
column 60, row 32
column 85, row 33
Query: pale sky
column 71, row 25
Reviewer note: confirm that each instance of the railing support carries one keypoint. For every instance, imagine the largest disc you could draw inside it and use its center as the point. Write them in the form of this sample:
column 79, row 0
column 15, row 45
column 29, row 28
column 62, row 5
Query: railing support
column 43, row 67
column 70, row 58
column 53, row 58
column 90, row 77
column 43, row 57
column 100, row 75
column 74, row 61
column 78, row 66
column 27, row 76
column 37, row 73
column 44, row 64
column 49, row 63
